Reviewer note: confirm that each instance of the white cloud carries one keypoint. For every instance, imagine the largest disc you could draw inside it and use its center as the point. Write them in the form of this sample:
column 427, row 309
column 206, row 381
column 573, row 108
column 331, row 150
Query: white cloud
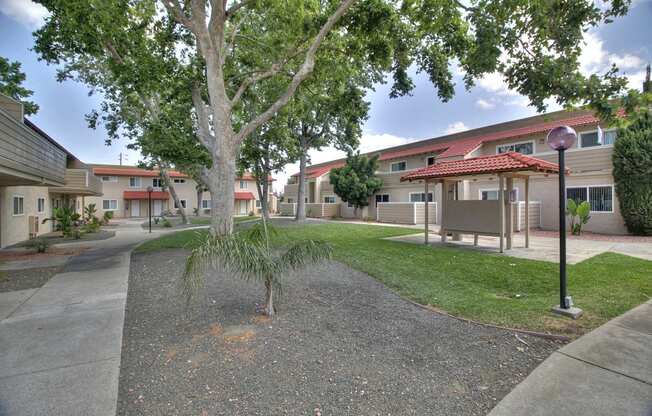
column 25, row 12
column 495, row 83
column 456, row 127
column 368, row 143
column 484, row 104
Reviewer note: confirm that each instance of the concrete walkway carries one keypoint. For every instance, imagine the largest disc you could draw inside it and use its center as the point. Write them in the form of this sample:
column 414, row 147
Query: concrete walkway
column 61, row 343
column 606, row 372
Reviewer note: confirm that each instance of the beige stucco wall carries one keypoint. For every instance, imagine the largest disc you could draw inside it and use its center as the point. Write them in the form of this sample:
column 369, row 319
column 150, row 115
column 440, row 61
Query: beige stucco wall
column 15, row 228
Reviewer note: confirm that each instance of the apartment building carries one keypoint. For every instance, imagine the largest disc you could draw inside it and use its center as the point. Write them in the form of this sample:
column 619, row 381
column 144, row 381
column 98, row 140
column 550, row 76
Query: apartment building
column 37, row 175
column 125, row 193
column 589, row 161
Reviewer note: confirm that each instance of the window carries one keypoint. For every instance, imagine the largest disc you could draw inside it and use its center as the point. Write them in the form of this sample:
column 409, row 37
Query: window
column 382, row 198
column 526, row 148
column 492, row 194
column 205, row 203
column 258, row 205
column 183, row 204
column 243, row 184
column 179, row 180
column 330, row 199
column 109, row 179
column 109, row 204
column 600, row 197
column 290, row 201
column 398, row 166
column 19, row 205
column 591, row 139
column 134, row 182
column 420, row 197
column 40, row 205
column 431, row 160
column 157, row 183
column 349, row 204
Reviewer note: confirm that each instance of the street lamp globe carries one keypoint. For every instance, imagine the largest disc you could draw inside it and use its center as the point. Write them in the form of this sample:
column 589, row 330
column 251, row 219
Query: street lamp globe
column 150, row 189
column 561, row 138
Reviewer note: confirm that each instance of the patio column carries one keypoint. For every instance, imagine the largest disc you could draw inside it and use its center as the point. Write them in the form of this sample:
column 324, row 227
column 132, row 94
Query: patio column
column 459, row 195
column 510, row 213
column 501, row 212
column 527, row 212
column 425, row 205
column 444, row 200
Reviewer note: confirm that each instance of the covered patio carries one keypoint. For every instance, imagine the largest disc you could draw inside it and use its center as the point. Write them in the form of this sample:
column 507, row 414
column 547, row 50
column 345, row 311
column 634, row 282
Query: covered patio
column 482, row 217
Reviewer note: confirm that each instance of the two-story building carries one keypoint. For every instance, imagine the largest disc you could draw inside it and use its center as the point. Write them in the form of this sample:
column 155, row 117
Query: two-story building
column 37, row 175
column 125, row 193
column 589, row 161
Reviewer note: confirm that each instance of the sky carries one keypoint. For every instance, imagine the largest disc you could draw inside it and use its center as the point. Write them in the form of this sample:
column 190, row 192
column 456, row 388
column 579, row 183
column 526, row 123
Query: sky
column 391, row 122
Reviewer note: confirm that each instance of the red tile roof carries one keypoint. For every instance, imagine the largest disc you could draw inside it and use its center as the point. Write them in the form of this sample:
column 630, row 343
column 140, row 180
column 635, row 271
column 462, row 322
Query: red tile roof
column 133, row 171
column 315, row 172
column 463, row 147
column 504, row 162
column 244, row 196
column 143, row 195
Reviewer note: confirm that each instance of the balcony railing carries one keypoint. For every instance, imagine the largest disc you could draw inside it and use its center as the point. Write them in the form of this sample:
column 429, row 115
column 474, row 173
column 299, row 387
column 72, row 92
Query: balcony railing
column 79, row 182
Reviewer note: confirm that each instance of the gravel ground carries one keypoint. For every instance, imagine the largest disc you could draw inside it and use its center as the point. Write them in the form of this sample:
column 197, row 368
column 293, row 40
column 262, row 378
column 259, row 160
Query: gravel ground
column 342, row 344
column 11, row 280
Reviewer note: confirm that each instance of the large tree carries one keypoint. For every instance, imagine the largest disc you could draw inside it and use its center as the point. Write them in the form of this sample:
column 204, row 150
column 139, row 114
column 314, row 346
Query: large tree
column 11, row 84
column 228, row 47
column 356, row 181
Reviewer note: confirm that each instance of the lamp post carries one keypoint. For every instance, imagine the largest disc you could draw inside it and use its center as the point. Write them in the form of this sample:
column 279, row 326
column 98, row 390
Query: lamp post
column 149, row 210
column 560, row 139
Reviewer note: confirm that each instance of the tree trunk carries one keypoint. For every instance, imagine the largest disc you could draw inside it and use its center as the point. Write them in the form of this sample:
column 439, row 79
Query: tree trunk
column 263, row 193
column 221, row 182
column 301, row 192
column 270, row 310
column 200, row 193
column 173, row 193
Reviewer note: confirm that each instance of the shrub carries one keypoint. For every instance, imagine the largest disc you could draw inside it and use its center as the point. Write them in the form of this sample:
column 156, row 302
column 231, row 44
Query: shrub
column 39, row 244
column 66, row 221
column 167, row 223
column 108, row 216
column 251, row 213
column 579, row 215
column 632, row 162
column 157, row 220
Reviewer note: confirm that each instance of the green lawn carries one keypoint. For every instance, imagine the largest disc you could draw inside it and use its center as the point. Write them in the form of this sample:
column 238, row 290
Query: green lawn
column 485, row 287
column 207, row 220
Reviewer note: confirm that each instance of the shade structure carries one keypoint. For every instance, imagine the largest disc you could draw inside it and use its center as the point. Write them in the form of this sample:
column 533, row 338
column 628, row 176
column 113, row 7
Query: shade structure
column 244, row 196
column 131, row 195
column 483, row 165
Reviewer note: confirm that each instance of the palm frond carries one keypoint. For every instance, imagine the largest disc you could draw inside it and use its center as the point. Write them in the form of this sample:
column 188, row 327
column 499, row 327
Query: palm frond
column 304, row 252
column 233, row 253
column 259, row 232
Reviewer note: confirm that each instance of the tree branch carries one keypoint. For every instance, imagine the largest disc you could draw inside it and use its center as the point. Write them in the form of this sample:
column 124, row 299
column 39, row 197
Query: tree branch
column 235, row 7
column 303, row 72
column 174, row 9
column 202, row 118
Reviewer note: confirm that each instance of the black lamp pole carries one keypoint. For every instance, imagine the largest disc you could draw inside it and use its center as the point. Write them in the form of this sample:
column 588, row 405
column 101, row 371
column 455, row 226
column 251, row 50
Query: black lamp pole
column 149, row 211
column 563, row 301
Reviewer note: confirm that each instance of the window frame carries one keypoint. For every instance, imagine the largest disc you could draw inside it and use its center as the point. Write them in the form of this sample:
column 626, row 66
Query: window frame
column 534, row 147
column 604, row 131
column 430, row 201
column 329, row 196
column 587, row 187
column 391, row 165
column 109, row 201
column 205, row 204
column 109, row 178
column 184, row 204
column 138, row 184
column 382, row 202
column 242, row 182
column 38, row 203
column 258, row 204
column 434, row 160
column 160, row 183
column 179, row 180
column 21, row 205
column 480, row 191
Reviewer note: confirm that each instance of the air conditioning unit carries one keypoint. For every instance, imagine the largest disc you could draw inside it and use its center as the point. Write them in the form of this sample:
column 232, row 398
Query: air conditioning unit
column 33, row 226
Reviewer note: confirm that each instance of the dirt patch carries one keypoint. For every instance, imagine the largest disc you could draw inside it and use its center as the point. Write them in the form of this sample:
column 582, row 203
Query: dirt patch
column 11, row 280
column 27, row 254
column 360, row 350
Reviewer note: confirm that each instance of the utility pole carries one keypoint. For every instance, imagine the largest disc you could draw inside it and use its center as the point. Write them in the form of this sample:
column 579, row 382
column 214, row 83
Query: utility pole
column 647, row 85
column 121, row 157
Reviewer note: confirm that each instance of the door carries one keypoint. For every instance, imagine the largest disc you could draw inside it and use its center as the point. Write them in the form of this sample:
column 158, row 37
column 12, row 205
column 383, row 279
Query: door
column 242, row 207
column 135, row 208
column 157, row 208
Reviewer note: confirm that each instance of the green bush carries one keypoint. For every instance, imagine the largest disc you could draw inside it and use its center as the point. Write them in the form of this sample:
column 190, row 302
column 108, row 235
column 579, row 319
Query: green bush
column 39, row 244
column 108, row 216
column 167, row 223
column 632, row 162
column 579, row 215
column 157, row 220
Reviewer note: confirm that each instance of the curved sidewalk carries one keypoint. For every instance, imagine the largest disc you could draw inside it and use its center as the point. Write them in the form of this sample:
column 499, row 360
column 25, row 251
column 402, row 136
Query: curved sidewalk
column 60, row 348
column 606, row 372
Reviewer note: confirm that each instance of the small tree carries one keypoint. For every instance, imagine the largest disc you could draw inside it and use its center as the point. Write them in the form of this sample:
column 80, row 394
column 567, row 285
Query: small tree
column 632, row 161
column 356, row 181
column 579, row 214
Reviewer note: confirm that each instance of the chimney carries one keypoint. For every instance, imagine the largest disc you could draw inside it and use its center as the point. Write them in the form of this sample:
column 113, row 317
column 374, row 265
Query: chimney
column 647, row 85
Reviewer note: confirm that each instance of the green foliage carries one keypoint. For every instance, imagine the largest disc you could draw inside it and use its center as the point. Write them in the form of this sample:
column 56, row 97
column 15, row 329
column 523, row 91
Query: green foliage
column 40, row 245
column 632, row 171
column 356, row 181
column 89, row 212
column 107, row 217
column 157, row 220
column 579, row 215
column 66, row 220
column 11, row 80
column 167, row 223
column 248, row 255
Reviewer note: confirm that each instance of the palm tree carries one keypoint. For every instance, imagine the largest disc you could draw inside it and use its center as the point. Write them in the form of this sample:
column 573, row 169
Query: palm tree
column 247, row 255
